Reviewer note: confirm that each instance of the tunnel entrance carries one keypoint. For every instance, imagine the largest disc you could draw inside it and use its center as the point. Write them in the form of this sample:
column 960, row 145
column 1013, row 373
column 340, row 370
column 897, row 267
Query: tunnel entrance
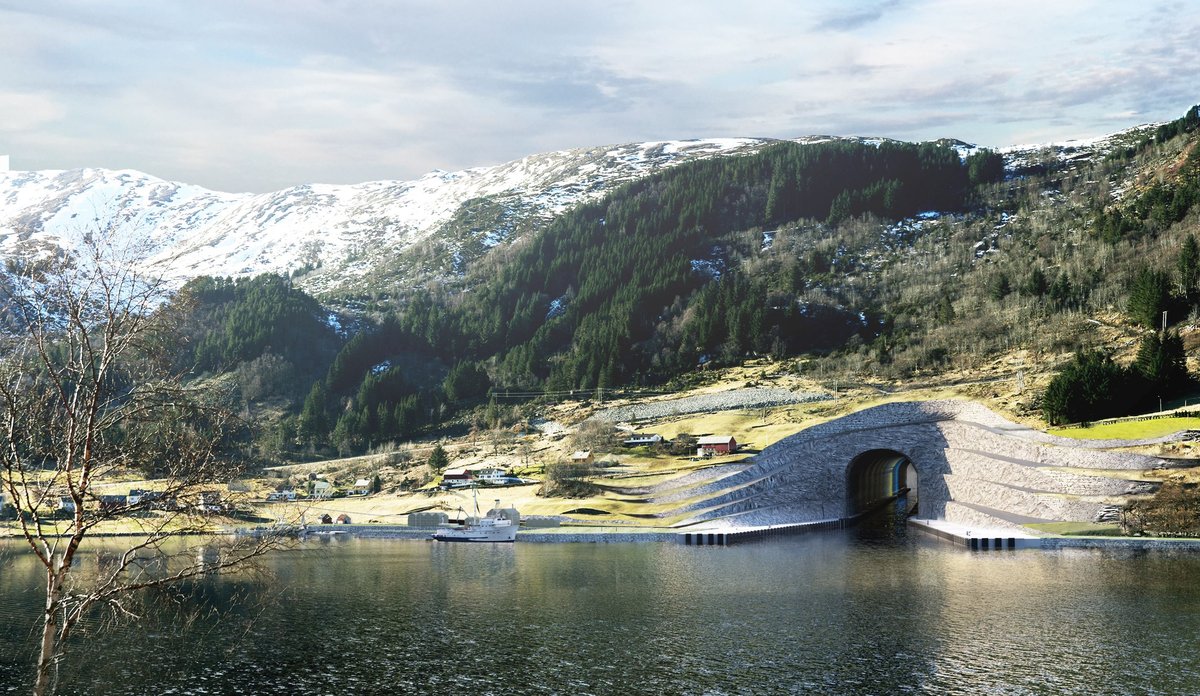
column 879, row 477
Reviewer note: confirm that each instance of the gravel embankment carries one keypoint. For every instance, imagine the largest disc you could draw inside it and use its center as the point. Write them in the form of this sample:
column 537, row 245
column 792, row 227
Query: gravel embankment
column 735, row 399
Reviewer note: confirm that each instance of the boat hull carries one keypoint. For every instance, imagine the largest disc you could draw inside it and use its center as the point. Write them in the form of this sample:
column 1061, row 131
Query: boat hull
column 478, row 534
column 476, row 540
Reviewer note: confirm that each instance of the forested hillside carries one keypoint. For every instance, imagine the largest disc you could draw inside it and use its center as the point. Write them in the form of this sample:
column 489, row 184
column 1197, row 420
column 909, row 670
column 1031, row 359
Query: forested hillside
column 874, row 260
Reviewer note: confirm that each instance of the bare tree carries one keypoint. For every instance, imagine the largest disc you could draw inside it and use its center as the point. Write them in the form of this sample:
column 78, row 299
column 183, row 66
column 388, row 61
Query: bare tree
column 88, row 397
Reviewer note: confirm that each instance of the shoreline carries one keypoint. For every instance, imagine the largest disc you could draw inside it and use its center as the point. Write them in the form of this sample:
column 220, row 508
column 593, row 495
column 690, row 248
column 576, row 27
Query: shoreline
column 970, row 538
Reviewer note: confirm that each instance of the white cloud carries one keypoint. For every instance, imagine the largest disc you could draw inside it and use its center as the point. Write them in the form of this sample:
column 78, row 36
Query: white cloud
column 246, row 95
column 23, row 111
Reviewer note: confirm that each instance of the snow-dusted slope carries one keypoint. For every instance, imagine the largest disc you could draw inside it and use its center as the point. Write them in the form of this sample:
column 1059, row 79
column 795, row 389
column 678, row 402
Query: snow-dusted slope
column 345, row 230
column 357, row 236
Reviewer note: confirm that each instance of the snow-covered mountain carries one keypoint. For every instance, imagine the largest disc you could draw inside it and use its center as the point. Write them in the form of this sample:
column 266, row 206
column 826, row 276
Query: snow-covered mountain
column 362, row 236
column 344, row 233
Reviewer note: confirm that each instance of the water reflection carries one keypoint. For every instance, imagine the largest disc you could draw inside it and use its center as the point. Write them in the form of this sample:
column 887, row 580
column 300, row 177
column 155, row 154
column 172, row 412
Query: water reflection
column 839, row 613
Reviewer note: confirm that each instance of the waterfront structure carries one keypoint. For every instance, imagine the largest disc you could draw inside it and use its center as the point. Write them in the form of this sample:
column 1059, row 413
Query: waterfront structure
column 955, row 461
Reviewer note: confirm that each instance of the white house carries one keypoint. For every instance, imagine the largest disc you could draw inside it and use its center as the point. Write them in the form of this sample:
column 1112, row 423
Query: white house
column 361, row 487
column 640, row 440
column 321, row 490
column 492, row 476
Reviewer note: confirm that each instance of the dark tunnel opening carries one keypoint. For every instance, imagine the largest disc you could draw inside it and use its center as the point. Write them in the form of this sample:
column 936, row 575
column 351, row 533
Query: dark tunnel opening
column 878, row 477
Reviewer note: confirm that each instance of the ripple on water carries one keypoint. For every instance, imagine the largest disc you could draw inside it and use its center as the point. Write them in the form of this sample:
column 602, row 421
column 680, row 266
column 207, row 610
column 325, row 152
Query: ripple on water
column 823, row 614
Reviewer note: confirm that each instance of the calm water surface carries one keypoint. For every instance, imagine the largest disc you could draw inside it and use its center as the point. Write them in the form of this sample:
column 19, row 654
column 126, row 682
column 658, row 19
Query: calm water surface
column 834, row 613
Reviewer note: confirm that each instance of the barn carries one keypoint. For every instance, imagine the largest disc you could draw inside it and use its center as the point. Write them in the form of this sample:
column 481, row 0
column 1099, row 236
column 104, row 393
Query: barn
column 716, row 444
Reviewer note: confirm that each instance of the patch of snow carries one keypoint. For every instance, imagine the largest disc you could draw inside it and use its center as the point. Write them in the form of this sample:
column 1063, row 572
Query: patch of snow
column 335, row 323
column 768, row 239
column 343, row 230
column 709, row 267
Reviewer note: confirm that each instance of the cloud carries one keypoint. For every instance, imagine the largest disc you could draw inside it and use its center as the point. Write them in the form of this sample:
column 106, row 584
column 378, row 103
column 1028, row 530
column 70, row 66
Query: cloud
column 841, row 20
column 246, row 95
column 24, row 111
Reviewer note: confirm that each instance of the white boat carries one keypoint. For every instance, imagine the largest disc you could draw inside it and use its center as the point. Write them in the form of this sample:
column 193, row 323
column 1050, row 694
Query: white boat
column 497, row 525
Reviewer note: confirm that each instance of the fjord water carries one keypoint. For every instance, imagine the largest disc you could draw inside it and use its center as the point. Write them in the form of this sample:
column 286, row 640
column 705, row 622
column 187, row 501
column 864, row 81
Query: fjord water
column 834, row 613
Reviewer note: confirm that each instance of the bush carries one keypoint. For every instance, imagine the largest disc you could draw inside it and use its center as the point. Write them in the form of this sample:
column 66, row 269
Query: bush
column 1174, row 511
column 597, row 436
column 1091, row 387
column 568, row 480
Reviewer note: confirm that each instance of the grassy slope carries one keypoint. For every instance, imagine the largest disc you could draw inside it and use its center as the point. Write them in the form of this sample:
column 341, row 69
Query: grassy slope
column 1129, row 430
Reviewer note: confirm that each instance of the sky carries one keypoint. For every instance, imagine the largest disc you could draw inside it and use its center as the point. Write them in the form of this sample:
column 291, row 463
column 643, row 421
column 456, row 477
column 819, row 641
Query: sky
column 250, row 95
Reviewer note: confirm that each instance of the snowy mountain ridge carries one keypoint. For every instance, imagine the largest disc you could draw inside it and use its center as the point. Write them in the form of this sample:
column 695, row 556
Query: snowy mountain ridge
column 342, row 231
column 348, row 237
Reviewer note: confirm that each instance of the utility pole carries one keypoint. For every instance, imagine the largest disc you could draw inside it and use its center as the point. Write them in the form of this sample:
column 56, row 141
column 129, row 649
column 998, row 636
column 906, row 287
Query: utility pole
column 1164, row 324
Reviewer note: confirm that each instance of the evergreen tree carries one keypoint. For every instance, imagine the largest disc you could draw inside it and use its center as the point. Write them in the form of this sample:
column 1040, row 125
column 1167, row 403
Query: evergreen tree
column 1091, row 387
column 1188, row 267
column 945, row 311
column 313, row 423
column 999, row 286
column 1161, row 362
column 465, row 380
column 1149, row 297
column 985, row 167
column 1035, row 284
column 438, row 459
column 1061, row 291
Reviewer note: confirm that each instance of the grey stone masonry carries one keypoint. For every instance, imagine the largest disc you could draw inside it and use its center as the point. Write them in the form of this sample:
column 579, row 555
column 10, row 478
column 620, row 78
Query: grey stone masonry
column 999, row 472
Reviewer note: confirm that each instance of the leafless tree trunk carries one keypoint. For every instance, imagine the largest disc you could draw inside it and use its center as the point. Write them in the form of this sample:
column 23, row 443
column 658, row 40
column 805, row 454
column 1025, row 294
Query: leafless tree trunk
column 87, row 396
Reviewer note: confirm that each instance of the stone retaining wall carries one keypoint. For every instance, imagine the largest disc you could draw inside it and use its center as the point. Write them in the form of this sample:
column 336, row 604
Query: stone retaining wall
column 961, row 450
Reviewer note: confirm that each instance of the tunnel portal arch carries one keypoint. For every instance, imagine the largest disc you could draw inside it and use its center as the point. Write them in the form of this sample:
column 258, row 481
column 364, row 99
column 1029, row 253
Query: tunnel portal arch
column 879, row 475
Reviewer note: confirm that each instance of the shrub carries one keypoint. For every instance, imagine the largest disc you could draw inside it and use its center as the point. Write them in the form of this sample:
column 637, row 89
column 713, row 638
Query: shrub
column 568, row 480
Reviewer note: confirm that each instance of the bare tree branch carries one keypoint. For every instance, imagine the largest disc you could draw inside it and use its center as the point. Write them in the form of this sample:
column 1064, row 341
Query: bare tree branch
column 86, row 401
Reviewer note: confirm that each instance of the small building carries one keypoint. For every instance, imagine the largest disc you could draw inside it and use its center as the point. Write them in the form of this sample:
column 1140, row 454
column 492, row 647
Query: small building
column 716, row 444
column 642, row 440
column 361, row 487
column 582, row 457
column 66, row 504
column 112, row 503
column 343, row 518
column 427, row 519
column 148, row 499
column 326, row 519
column 321, row 489
column 210, row 502
column 287, row 496
column 457, row 478
column 492, row 476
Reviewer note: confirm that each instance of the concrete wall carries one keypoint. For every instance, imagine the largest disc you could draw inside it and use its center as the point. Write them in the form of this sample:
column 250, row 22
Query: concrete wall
column 972, row 465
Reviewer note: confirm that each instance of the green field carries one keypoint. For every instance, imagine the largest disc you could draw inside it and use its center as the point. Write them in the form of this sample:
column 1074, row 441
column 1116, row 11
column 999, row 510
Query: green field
column 1077, row 528
column 1130, row 430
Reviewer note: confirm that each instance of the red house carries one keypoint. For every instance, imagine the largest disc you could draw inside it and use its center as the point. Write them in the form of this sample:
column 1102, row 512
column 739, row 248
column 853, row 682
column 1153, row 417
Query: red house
column 717, row 444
